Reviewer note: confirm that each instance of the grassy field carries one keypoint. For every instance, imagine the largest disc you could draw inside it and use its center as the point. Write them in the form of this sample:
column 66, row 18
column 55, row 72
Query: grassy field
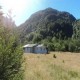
column 53, row 66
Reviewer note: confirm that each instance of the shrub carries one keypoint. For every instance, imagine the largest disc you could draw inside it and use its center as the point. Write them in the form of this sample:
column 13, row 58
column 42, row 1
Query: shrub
column 54, row 56
column 10, row 56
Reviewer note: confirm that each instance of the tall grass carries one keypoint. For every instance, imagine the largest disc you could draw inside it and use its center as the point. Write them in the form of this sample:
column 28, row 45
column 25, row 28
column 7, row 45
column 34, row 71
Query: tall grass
column 45, row 67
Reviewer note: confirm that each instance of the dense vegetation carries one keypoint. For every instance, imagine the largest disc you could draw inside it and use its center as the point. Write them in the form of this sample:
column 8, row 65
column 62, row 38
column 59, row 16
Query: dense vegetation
column 55, row 29
column 10, row 52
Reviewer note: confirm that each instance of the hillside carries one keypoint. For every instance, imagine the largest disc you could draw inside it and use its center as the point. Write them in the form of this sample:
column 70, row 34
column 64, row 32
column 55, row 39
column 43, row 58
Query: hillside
column 45, row 67
column 47, row 23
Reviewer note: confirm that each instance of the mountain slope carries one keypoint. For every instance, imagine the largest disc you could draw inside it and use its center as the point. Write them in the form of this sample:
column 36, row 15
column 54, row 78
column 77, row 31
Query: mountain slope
column 48, row 22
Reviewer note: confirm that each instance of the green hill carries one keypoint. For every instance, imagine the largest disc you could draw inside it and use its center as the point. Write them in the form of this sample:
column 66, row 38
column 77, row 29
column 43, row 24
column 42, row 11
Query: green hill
column 47, row 23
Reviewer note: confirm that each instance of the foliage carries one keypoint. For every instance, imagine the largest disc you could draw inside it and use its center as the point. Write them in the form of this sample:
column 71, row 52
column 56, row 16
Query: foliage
column 76, row 29
column 10, row 54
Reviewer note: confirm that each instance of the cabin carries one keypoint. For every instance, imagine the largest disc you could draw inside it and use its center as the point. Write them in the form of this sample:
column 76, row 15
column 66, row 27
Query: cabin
column 29, row 48
column 35, row 48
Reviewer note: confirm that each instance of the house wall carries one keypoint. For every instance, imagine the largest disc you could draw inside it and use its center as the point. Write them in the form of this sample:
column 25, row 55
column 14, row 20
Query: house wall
column 35, row 50
column 28, row 50
column 40, row 50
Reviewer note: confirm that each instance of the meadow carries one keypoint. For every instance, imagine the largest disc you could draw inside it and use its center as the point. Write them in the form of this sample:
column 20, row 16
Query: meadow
column 53, row 66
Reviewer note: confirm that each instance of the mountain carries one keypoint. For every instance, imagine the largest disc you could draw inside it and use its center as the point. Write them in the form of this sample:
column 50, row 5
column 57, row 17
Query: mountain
column 47, row 23
column 76, row 29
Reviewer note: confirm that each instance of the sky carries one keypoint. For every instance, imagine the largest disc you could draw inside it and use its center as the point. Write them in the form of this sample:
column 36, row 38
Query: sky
column 23, row 9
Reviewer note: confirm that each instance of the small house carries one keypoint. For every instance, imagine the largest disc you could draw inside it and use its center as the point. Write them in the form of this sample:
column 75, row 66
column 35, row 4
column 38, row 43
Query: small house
column 29, row 48
column 35, row 48
column 40, row 49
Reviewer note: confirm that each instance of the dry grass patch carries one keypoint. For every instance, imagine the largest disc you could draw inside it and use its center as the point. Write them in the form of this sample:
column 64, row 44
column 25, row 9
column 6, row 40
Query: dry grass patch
column 66, row 66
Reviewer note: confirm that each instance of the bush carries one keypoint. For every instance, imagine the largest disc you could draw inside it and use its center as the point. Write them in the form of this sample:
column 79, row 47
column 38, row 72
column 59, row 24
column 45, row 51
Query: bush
column 10, row 56
column 54, row 56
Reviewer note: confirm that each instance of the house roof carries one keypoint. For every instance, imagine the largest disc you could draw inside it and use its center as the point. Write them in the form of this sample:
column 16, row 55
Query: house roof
column 41, row 45
column 30, row 45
